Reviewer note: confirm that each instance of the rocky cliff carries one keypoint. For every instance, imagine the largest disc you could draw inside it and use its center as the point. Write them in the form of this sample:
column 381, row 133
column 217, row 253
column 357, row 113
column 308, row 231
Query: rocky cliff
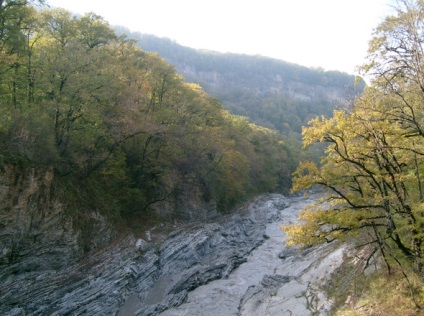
column 50, row 265
column 271, row 92
column 56, row 263
column 38, row 234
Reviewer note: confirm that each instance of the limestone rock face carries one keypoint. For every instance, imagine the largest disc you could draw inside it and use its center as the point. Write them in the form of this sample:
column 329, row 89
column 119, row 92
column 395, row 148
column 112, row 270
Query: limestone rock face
column 130, row 276
column 33, row 224
column 55, row 262
column 44, row 269
column 37, row 235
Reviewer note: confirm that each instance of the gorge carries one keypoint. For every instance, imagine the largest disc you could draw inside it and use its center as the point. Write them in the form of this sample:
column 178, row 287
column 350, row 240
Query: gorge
column 235, row 266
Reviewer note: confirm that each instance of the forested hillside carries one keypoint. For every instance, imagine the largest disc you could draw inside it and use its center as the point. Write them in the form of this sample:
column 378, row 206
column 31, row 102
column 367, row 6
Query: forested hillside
column 271, row 92
column 121, row 128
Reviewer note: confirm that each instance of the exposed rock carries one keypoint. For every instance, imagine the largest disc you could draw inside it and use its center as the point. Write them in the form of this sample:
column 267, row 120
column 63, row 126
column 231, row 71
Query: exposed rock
column 130, row 276
column 37, row 233
column 287, row 252
column 44, row 270
column 255, row 295
column 300, row 293
column 38, row 237
column 140, row 245
column 201, row 256
column 268, row 285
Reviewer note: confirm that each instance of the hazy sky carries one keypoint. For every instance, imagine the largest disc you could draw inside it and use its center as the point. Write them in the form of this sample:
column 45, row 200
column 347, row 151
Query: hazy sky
column 332, row 34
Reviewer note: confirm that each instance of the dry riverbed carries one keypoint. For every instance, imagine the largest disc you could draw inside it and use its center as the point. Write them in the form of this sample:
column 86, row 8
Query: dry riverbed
column 274, row 280
column 235, row 266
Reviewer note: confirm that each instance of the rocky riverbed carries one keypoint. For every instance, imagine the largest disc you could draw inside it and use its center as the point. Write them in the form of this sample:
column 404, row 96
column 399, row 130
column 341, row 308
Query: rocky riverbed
column 236, row 266
column 273, row 280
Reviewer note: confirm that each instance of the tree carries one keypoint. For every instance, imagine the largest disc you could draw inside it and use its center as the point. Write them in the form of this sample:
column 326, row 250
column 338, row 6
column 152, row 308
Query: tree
column 396, row 62
column 374, row 162
column 123, row 122
column 15, row 52
column 73, row 80
column 366, row 169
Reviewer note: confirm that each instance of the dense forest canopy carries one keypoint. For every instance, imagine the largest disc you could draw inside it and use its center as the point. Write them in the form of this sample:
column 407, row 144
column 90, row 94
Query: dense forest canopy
column 121, row 128
column 374, row 164
column 271, row 92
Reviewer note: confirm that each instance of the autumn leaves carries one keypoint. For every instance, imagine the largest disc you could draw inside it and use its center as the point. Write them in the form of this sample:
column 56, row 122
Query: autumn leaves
column 374, row 162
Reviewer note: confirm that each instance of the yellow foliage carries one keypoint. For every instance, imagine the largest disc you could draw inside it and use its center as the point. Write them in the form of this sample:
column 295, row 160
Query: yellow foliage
column 305, row 176
column 317, row 224
column 388, row 295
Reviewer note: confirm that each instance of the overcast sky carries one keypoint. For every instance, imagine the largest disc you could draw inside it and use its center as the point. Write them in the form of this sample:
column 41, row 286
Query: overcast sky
column 332, row 34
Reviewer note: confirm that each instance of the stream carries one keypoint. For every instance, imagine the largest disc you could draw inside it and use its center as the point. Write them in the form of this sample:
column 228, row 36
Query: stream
column 235, row 265
column 273, row 281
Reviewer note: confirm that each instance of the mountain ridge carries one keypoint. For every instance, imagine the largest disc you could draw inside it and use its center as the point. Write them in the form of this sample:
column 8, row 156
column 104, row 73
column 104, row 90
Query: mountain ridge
column 273, row 93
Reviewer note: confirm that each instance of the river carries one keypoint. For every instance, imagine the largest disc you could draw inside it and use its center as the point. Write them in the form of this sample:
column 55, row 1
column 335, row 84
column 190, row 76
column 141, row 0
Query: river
column 273, row 281
column 237, row 265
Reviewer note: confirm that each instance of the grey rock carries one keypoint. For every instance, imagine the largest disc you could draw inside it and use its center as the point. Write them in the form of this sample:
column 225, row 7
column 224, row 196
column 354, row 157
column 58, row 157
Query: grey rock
column 256, row 294
column 140, row 245
column 45, row 269
column 288, row 252
column 274, row 281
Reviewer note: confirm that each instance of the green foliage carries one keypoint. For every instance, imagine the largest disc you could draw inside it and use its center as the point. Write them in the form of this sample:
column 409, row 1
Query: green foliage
column 271, row 93
column 373, row 167
column 121, row 127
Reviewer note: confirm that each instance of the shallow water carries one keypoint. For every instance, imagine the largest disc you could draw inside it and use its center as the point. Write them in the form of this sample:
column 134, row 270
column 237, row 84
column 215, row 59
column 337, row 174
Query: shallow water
column 246, row 292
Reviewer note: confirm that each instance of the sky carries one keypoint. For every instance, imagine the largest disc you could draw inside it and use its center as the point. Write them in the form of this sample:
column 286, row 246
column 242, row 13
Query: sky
column 328, row 34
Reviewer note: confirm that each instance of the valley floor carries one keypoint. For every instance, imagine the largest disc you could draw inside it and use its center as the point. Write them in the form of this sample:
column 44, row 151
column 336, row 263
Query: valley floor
column 236, row 266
